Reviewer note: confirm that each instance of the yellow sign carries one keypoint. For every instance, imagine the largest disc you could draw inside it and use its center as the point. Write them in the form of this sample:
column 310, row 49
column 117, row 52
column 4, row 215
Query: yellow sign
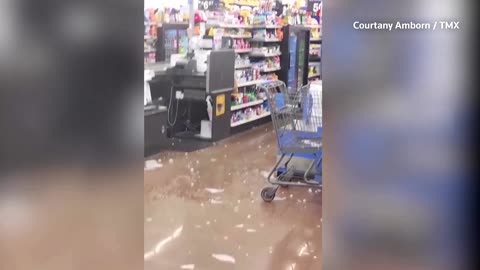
column 220, row 105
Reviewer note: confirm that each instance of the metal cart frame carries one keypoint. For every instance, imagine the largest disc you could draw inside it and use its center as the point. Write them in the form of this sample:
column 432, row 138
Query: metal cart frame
column 297, row 132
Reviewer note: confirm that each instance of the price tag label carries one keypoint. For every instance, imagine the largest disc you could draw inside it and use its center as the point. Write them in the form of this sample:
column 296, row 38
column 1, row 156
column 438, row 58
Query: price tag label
column 211, row 5
column 314, row 6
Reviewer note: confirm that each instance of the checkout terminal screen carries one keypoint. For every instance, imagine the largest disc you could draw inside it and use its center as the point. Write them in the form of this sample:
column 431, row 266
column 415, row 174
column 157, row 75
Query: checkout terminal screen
column 221, row 70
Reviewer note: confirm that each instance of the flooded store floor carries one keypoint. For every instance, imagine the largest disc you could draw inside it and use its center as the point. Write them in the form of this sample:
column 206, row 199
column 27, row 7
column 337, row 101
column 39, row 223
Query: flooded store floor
column 203, row 210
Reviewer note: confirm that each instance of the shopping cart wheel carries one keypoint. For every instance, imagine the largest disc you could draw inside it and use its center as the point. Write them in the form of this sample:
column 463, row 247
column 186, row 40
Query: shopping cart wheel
column 268, row 194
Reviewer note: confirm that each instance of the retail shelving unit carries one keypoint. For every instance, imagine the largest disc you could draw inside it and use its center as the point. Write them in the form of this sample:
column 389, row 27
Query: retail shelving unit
column 174, row 40
column 149, row 47
column 251, row 55
column 315, row 52
column 254, row 118
column 246, row 105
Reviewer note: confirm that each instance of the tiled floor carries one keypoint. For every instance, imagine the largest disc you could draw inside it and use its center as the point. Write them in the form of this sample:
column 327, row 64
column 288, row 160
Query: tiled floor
column 203, row 211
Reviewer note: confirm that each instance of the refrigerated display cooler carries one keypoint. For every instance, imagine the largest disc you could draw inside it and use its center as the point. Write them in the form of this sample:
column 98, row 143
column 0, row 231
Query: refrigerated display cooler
column 295, row 50
column 175, row 40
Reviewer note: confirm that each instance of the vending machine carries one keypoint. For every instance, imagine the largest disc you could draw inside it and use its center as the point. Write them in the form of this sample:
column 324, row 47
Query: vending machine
column 294, row 59
column 172, row 39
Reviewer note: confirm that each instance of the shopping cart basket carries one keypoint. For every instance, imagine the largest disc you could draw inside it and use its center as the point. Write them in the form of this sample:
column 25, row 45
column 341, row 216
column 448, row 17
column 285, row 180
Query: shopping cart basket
column 297, row 121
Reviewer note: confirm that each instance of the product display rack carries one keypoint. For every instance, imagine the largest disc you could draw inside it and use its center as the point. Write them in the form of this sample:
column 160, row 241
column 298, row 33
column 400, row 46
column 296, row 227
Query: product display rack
column 243, row 86
column 246, row 105
column 257, row 55
column 254, row 118
column 315, row 59
column 243, row 66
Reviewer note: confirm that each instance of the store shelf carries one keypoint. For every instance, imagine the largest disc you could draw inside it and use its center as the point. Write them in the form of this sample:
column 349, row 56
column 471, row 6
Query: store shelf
column 312, row 26
column 149, row 37
column 313, row 76
column 267, row 26
column 265, row 54
column 240, row 36
column 314, row 59
column 149, row 51
column 243, row 66
column 265, row 40
column 235, row 26
column 315, row 39
column 254, row 83
column 242, row 122
column 270, row 69
column 246, row 105
column 249, row 83
column 243, row 50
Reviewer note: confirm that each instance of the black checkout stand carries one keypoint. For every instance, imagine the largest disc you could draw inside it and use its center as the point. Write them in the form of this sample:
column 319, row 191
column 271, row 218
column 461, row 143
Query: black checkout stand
column 172, row 123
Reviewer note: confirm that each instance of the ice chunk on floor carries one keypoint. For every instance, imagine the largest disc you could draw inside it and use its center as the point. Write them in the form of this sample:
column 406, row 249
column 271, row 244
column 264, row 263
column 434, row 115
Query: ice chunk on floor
column 213, row 160
column 151, row 165
column 188, row 266
column 279, row 199
column 224, row 258
column 239, row 226
column 170, row 161
column 215, row 201
column 214, row 190
column 264, row 174
column 251, row 230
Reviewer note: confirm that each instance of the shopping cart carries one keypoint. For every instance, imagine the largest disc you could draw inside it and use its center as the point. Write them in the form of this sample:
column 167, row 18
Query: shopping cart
column 296, row 118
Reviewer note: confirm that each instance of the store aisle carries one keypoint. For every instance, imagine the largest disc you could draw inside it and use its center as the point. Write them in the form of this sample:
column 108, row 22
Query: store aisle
column 203, row 211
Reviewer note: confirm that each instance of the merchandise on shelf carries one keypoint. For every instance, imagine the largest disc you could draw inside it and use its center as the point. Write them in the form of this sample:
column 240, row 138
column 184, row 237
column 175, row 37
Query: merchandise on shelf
column 315, row 49
column 313, row 70
column 259, row 20
column 266, row 49
column 268, row 34
column 243, row 98
column 267, row 64
column 246, row 75
column 241, row 44
column 238, row 33
column 242, row 18
column 150, row 31
column 315, row 33
column 242, row 60
column 151, row 16
column 250, row 113
column 269, row 77
column 149, row 58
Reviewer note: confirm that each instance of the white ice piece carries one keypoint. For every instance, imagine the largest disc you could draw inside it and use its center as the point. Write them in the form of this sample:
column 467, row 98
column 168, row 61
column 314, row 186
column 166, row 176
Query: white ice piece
column 188, row 266
column 151, row 165
column 214, row 190
column 264, row 174
column 224, row 258
column 214, row 201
